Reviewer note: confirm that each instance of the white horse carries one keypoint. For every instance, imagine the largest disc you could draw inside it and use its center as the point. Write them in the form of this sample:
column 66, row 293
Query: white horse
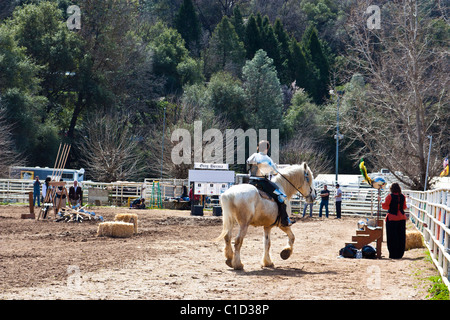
column 243, row 205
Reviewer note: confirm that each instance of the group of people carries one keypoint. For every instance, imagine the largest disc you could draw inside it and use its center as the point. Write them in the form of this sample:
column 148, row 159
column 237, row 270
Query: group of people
column 75, row 193
column 325, row 197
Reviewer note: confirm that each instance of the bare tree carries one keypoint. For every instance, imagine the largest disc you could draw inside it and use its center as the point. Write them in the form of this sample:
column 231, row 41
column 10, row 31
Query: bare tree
column 303, row 149
column 404, row 96
column 8, row 155
column 109, row 149
column 159, row 147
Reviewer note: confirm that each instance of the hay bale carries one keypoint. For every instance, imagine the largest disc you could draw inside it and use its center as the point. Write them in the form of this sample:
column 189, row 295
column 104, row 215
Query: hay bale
column 414, row 240
column 115, row 229
column 129, row 218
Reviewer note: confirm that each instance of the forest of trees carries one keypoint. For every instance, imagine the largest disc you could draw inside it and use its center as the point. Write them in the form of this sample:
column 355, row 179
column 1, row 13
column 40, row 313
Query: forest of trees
column 136, row 67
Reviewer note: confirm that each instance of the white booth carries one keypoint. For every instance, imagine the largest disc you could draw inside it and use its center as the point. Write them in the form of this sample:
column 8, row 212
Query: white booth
column 210, row 179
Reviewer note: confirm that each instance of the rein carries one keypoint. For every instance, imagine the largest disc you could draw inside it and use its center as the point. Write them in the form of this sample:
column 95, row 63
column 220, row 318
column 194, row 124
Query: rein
column 310, row 189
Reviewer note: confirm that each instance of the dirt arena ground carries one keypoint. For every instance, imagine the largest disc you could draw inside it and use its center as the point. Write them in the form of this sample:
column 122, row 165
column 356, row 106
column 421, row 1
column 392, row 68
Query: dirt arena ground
column 174, row 257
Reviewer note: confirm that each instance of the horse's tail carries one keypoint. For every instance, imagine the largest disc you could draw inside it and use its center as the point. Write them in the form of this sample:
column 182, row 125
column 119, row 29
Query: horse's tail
column 227, row 216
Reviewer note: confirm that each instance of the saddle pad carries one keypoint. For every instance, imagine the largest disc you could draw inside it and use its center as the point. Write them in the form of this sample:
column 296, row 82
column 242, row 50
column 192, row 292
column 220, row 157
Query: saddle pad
column 265, row 195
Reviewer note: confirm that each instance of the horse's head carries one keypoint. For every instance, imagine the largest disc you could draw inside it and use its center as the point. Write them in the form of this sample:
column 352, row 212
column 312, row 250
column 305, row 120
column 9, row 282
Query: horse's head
column 297, row 178
column 307, row 187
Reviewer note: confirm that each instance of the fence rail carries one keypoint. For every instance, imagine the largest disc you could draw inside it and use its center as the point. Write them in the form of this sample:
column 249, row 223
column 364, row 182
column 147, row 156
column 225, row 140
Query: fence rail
column 355, row 201
column 430, row 213
column 15, row 190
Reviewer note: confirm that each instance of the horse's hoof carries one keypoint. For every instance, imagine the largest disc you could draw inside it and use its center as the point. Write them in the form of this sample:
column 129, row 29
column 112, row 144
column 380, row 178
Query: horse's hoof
column 268, row 265
column 285, row 254
column 238, row 266
column 228, row 262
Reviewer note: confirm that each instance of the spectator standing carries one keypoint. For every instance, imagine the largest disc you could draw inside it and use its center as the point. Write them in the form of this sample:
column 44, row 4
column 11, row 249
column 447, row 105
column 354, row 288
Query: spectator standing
column 338, row 199
column 325, row 195
column 310, row 208
column 60, row 198
column 37, row 192
column 45, row 189
column 75, row 194
column 395, row 203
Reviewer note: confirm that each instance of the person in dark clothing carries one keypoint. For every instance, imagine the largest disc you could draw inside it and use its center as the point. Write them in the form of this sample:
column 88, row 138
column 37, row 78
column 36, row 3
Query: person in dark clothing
column 325, row 195
column 138, row 204
column 338, row 199
column 395, row 203
column 75, row 194
column 37, row 192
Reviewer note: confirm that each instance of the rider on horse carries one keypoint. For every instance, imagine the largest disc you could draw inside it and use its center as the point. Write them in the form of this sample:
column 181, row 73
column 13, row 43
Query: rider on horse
column 261, row 170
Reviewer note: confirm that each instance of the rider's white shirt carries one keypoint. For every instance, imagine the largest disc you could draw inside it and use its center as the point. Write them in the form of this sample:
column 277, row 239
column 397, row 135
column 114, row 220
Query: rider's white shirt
column 265, row 164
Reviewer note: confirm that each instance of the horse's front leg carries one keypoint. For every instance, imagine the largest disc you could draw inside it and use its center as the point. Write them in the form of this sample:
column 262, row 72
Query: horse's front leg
column 236, row 262
column 287, row 251
column 267, row 261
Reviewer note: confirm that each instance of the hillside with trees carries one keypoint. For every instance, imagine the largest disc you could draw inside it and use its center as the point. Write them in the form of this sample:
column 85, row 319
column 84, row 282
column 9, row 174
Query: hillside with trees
column 136, row 68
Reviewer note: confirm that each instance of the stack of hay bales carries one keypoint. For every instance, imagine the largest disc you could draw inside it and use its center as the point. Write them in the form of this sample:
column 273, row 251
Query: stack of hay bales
column 414, row 240
column 129, row 218
column 123, row 226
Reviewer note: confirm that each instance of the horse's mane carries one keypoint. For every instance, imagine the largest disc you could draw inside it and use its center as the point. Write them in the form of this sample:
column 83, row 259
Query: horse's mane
column 295, row 174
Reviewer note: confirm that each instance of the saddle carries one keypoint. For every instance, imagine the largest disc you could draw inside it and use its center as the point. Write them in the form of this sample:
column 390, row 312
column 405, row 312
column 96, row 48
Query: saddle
column 265, row 195
column 261, row 185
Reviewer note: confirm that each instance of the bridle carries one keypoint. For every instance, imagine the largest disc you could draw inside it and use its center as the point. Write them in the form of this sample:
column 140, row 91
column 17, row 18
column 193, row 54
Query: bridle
column 307, row 180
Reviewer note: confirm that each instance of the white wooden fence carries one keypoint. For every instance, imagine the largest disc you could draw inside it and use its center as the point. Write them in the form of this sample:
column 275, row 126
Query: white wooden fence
column 430, row 213
column 117, row 193
column 15, row 190
column 355, row 201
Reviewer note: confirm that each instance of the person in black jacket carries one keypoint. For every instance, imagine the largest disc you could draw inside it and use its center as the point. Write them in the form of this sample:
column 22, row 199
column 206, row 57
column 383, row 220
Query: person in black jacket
column 75, row 194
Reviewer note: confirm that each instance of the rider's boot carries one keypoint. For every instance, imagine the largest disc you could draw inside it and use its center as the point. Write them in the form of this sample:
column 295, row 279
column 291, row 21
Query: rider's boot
column 284, row 217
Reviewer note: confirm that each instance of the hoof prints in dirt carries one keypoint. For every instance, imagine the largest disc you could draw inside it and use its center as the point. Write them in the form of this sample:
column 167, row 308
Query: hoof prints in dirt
column 189, row 221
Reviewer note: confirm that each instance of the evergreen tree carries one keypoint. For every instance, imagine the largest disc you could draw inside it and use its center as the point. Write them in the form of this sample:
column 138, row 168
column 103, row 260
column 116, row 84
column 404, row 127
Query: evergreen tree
column 285, row 54
column 252, row 38
column 226, row 97
column 188, row 25
column 314, row 49
column 20, row 102
column 259, row 21
column 238, row 23
column 299, row 69
column 169, row 51
column 262, row 88
column 271, row 45
column 226, row 52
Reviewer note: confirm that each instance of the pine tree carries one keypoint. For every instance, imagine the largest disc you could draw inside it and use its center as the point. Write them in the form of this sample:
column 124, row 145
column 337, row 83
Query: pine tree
column 271, row 45
column 285, row 54
column 252, row 39
column 188, row 24
column 238, row 23
column 226, row 52
column 314, row 49
column 262, row 88
column 299, row 69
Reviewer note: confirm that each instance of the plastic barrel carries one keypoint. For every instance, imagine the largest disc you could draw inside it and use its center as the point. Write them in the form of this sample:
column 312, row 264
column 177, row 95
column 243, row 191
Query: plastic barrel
column 217, row 211
column 198, row 211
